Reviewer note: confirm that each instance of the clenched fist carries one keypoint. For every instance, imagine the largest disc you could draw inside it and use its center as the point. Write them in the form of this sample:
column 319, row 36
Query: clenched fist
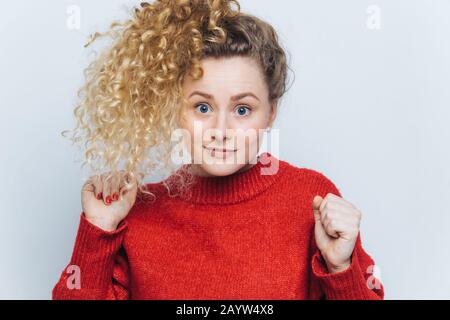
column 336, row 230
column 106, row 202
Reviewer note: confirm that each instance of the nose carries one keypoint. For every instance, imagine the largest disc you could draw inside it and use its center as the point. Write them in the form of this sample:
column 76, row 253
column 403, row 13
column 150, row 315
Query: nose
column 220, row 132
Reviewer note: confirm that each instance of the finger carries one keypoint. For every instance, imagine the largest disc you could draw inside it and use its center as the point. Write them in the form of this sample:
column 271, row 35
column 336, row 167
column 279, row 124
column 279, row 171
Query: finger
column 316, row 205
column 98, row 187
column 330, row 204
column 106, row 180
column 340, row 227
column 128, row 183
column 114, row 187
column 345, row 221
column 321, row 235
column 338, row 211
column 320, row 211
column 88, row 186
column 349, row 221
column 338, row 200
column 317, row 201
column 323, row 203
column 123, row 183
column 323, row 211
column 332, row 196
column 330, row 227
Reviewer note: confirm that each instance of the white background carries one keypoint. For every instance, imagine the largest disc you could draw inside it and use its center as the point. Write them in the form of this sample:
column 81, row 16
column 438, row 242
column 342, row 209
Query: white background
column 369, row 108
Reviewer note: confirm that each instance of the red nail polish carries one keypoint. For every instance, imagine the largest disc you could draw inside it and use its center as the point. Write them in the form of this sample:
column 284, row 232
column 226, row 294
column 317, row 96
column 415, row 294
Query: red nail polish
column 115, row 196
column 99, row 196
column 108, row 200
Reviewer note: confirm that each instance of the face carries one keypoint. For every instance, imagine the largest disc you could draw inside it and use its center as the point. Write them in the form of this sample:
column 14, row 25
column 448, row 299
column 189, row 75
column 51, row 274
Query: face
column 225, row 113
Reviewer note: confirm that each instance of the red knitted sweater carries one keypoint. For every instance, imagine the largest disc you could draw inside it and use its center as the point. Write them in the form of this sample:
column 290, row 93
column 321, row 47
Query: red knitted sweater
column 244, row 236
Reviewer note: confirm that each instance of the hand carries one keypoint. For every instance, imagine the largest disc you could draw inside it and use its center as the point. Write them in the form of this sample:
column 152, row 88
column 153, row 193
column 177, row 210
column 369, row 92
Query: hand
column 106, row 202
column 336, row 229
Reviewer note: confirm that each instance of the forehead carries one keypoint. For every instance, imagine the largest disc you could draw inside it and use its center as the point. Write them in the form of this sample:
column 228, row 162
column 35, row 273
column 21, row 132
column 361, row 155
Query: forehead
column 233, row 73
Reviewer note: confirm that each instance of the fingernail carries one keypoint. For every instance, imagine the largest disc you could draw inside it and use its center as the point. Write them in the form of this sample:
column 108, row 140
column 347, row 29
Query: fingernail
column 99, row 196
column 115, row 196
column 108, row 200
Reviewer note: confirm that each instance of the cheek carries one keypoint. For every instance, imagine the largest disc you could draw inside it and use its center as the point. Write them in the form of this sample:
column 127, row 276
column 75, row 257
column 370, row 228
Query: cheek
column 190, row 124
column 255, row 130
column 187, row 126
column 249, row 140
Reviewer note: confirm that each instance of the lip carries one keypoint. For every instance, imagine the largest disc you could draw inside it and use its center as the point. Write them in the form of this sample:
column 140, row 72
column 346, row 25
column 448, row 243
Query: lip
column 219, row 152
column 219, row 149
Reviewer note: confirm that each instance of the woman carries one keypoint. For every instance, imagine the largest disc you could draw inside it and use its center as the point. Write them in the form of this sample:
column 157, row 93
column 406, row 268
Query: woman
column 229, row 224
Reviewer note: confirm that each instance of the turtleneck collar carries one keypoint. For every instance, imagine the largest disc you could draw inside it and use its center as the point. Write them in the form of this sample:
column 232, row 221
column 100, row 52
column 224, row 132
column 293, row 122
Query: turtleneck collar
column 236, row 187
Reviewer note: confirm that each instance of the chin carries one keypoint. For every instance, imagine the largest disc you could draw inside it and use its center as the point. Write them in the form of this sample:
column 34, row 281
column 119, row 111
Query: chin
column 221, row 166
column 221, row 169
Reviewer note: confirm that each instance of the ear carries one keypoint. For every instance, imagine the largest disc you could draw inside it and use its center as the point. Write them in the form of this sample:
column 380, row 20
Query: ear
column 273, row 114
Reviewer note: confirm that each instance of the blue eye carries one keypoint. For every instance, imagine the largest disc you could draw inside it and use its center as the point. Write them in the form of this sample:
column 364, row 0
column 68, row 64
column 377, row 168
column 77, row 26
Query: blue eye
column 203, row 107
column 242, row 109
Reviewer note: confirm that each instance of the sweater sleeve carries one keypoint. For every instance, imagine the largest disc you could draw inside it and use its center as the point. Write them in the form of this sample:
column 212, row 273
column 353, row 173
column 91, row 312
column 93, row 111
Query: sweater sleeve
column 357, row 282
column 98, row 268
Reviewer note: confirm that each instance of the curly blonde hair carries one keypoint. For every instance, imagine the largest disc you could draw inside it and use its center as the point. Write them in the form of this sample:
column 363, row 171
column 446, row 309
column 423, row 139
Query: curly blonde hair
column 131, row 100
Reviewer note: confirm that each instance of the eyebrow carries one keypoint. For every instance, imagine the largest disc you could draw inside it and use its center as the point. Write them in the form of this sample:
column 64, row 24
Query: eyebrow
column 233, row 98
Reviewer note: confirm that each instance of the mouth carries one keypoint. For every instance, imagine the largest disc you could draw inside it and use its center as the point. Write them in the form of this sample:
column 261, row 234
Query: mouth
column 219, row 152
